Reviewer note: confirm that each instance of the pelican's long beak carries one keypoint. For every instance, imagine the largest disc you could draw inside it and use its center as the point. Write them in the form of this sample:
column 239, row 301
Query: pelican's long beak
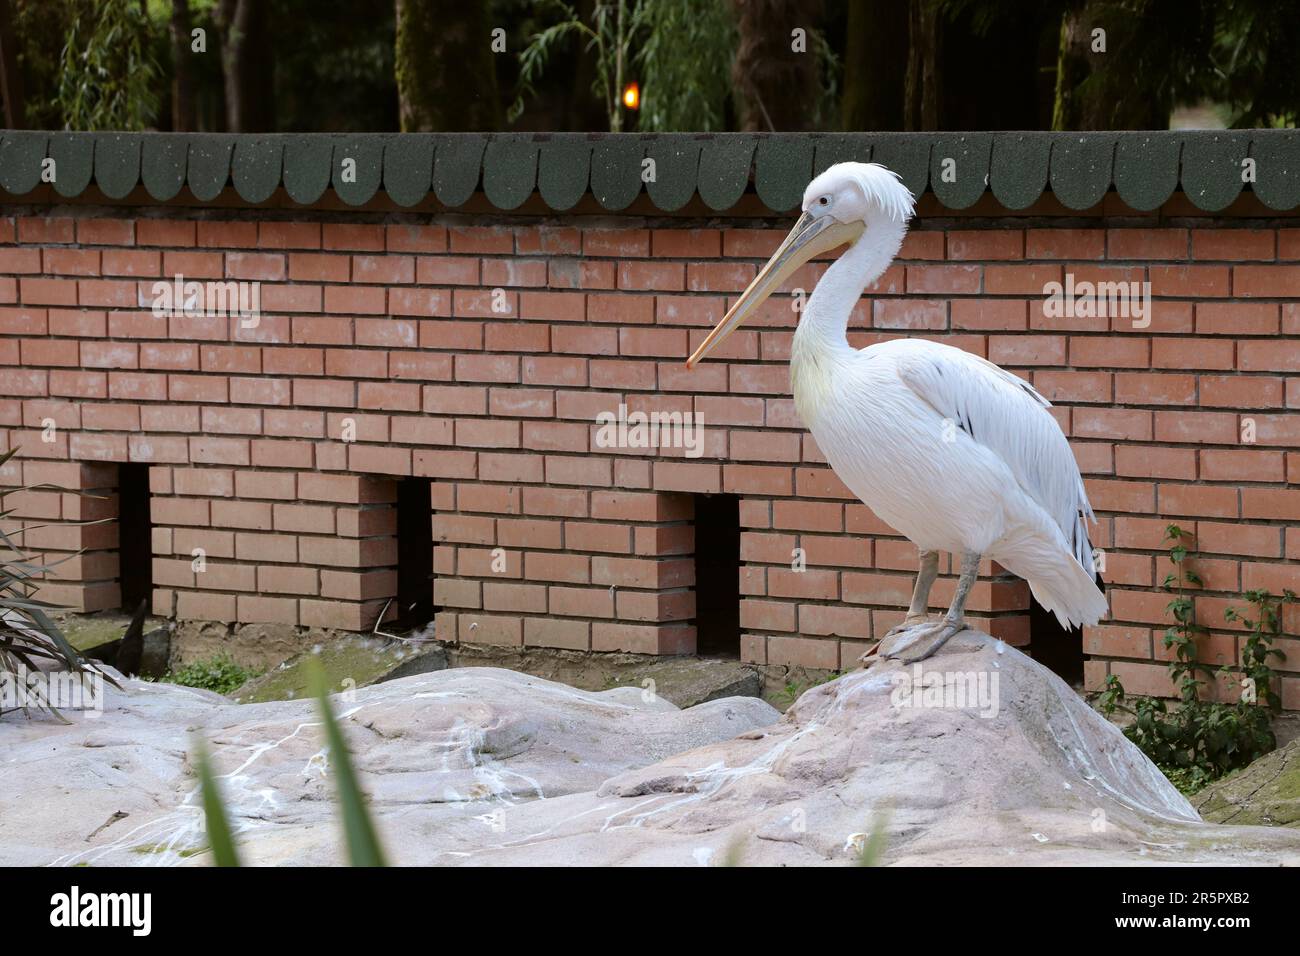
column 810, row 236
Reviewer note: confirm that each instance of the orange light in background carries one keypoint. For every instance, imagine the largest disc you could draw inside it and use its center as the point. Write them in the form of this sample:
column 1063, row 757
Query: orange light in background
column 632, row 96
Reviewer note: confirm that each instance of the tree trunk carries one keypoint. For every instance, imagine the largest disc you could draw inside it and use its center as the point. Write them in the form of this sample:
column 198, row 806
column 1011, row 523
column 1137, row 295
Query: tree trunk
column 777, row 87
column 247, row 63
column 183, row 111
column 923, row 74
column 11, row 77
column 580, row 109
column 1093, row 89
column 875, row 65
column 446, row 74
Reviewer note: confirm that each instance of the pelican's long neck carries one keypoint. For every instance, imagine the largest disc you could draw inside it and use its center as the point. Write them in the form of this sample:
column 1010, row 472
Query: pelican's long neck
column 821, row 338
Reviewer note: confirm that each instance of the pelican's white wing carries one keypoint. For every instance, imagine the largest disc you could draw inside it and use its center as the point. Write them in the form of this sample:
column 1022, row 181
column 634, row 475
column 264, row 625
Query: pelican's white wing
column 1007, row 416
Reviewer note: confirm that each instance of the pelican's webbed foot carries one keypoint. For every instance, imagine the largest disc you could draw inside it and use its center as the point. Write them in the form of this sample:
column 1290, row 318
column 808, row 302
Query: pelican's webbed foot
column 909, row 622
column 918, row 642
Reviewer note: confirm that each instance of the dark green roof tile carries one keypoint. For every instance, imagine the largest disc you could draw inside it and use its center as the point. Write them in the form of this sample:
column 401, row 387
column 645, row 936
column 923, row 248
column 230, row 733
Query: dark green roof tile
column 74, row 163
column 907, row 154
column 783, row 167
column 616, row 170
column 563, row 169
column 676, row 169
column 408, row 167
column 209, row 164
column 163, row 163
column 256, row 167
column 1082, row 168
column 1018, row 168
column 840, row 148
column 1277, row 168
column 457, row 161
column 724, row 168
column 1212, row 167
column 307, row 167
column 1146, row 168
column 971, row 153
column 117, row 163
column 21, row 153
column 510, row 169
column 357, row 167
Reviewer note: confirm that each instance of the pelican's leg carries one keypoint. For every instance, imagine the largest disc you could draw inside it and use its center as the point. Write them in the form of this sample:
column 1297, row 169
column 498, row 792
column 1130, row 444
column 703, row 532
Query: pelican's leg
column 920, row 593
column 919, row 642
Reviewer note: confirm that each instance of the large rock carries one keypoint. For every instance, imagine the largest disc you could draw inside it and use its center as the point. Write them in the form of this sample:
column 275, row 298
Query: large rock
column 1267, row 792
column 483, row 766
column 119, row 789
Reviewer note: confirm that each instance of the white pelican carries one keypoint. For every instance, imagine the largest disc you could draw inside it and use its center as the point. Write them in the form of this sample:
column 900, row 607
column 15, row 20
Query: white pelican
column 954, row 452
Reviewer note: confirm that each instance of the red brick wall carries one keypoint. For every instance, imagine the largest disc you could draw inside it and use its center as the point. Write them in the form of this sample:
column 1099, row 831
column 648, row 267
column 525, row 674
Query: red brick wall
column 391, row 325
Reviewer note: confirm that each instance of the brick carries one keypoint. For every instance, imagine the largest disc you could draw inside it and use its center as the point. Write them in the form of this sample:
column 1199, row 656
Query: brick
column 1237, row 318
column 386, row 270
column 910, row 313
column 616, row 243
column 1266, row 281
column 481, row 240
column 1155, row 389
column 416, row 238
column 1140, row 243
column 352, row 236
column 1020, row 350
column 986, row 244
column 1065, row 244
column 1028, row 280
column 1265, row 356
column 106, row 232
column 176, row 233
column 1188, row 280
column 261, row 266
column 500, row 273
column 946, row 279
column 289, row 235
column 1002, row 315
column 1232, row 244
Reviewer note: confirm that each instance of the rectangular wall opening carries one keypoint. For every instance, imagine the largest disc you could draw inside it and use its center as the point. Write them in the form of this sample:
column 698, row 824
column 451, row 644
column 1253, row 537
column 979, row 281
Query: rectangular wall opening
column 717, row 575
column 415, row 606
column 135, row 536
column 1059, row 649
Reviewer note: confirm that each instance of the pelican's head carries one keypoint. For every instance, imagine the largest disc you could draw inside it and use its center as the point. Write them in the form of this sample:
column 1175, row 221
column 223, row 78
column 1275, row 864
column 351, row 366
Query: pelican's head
column 838, row 207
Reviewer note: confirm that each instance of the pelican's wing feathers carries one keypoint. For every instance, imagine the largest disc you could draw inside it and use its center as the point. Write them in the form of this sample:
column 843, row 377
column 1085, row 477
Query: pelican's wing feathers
column 1009, row 417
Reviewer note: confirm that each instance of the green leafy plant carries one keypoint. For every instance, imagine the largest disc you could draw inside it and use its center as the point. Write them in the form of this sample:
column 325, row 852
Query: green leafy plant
column 218, row 673
column 358, row 829
column 28, row 634
column 685, row 64
column 108, row 73
column 1201, row 740
column 610, row 36
column 793, row 689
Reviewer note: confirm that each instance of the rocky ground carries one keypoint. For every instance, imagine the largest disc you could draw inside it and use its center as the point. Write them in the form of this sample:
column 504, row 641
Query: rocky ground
column 479, row 766
column 1266, row 793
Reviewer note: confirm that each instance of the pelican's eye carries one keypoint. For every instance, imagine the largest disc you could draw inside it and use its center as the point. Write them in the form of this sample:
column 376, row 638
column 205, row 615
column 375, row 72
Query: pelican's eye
column 825, row 200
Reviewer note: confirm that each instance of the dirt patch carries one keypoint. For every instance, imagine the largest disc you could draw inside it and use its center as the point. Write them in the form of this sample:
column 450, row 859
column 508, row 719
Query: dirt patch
column 258, row 647
column 275, row 650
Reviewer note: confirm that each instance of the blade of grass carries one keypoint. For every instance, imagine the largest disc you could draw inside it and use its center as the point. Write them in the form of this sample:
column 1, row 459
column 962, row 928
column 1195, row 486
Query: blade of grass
column 363, row 844
column 214, row 812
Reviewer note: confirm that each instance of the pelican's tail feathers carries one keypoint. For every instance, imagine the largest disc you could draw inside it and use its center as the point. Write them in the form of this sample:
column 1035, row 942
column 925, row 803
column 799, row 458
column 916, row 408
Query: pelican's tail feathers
column 1069, row 590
